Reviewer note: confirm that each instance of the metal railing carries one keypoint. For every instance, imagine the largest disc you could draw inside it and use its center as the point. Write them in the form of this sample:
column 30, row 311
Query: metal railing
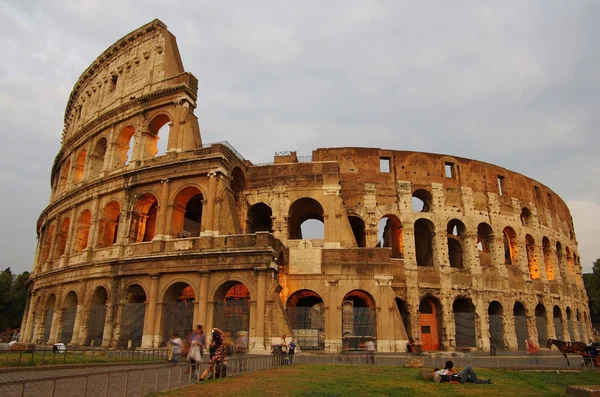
column 79, row 356
column 135, row 381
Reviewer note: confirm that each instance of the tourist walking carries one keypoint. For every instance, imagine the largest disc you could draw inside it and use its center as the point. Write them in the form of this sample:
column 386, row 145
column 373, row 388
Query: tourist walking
column 175, row 348
column 292, row 349
column 217, row 343
column 370, row 345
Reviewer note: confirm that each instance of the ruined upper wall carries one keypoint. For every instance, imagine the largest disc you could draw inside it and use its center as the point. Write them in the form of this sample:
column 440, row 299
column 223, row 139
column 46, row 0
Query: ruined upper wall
column 144, row 61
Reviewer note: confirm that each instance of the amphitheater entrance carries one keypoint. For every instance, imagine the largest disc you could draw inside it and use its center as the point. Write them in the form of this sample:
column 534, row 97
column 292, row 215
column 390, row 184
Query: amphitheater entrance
column 50, row 304
column 495, row 314
column 306, row 314
column 69, row 312
column 464, row 321
column 132, row 320
column 96, row 317
column 540, row 322
column 231, row 312
column 558, row 328
column 178, row 310
column 521, row 331
column 429, row 311
column 358, row 319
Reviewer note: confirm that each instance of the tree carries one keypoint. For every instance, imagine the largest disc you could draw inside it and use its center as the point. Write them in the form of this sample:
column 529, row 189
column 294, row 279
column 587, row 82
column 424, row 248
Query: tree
column 13, row 296
column 592, row 285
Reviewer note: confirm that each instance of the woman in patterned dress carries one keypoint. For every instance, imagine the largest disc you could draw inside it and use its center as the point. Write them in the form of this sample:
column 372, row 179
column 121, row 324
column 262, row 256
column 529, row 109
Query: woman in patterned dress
column 220, row 351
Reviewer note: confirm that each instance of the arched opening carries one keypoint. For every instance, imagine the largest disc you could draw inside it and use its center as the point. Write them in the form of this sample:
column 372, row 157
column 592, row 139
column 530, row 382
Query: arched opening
column 570, row 262
column 157, row 139
column 178, row 310
column 143, row 218
column 548, row 259
column 540, row 322
column 496, row 317
column 559, row 256
column 61, row 239
column 358, row 229
column 96, row 160
column 231, row 312
column 259, row 218
column 69, row 311
column 50, row 304
column 187, row 213
column 464, row 320
column 421, row 201
column 526, row 218
column 305, row 220
column 455, row 232
column 485, row 243
column 79, row 167
column 405, row 316
column 389, row 235
column 558, row 328
column 424, row 232
column 521, row 331
column 96, row 317
column 132, row 320
column 83, row 231
column 570, row 325
column 358, row 319
column 109, row 225
column 511, row 246
column 532, row 260
column 306, row 313
column 430, row 312
column 123, row 147
column 64, row 176
column 46, row 244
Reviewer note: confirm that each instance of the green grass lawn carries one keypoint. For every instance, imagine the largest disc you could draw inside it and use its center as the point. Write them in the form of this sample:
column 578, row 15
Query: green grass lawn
column 40, row 357
column 354, row 380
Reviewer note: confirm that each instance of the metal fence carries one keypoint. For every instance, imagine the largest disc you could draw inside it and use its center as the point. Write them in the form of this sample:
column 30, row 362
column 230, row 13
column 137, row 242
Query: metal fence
column 133, row 381
column 78, row 356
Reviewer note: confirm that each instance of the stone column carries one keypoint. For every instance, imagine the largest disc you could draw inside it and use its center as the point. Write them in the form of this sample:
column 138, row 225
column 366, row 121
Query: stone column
column 27, row 323
column 203, row 299
column 162, row 221
column 259, row 338
column 470, row 252
column 72, row 229
column 332, row 227
column 150, row 333
column 207, row 228
column 56, row 321
column 333, row 318
column 94, row 229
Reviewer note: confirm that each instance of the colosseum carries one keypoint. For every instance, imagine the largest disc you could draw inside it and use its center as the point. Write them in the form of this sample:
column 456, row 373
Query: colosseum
column 150, row 231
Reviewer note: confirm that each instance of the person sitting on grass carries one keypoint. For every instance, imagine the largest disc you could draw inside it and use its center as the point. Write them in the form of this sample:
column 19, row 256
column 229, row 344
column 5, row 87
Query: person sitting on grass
column 449, row 374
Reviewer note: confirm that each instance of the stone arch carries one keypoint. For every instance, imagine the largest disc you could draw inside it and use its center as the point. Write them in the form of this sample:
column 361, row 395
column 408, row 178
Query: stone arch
column 464, row 321
column 404, row 311
column 421, row 200
column 570, row 326
column 424, row 244
column 83, row 231
column 496, row 324
column 430, row 317
column 302, row 210
column 109, row 224
column 521, row 330
column 557, row 317
column 389, row 234
column 123, row 147
column 64, row 177
column 532, row 260
column 143, row 218
column 158, row 128
column 540, row 321
column 570, row 261
column 511, row 246
column 526, row 217
column 133, row 315
column 357, row 224
column 46, row 244
column 79, row 166
column 69, row 312
column 260, row 218
column 96, row 158
column 548, row 259
column 49, row 317
column 231, row 308
column 97, row 317
column 455, row 232
column 178, row 309
column 306, row 314
column 485, row 244
column 359, row 322
column 186, row 216
column 61, row 239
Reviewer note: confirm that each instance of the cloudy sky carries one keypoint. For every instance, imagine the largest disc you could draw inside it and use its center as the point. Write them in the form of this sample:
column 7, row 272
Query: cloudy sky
column 514, row 83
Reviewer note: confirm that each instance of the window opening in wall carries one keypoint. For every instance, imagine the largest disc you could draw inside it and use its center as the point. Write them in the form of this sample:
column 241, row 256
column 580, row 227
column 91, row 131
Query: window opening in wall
column 113, row 83
column 259, row 219
column 312, row 229
column 163, row 139
column 305, row 220
column 384, row 164
column 455, row 234
column 538, row 195
column 421, row 201
column 550, row 203
column 389, row 235
column 449, row 167
column 358, row 229
column 500, row 185
column 424, row 232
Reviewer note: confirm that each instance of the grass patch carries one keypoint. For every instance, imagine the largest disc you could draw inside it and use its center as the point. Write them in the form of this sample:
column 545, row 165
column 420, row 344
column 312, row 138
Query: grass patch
column 41, row 357
column 353, row 380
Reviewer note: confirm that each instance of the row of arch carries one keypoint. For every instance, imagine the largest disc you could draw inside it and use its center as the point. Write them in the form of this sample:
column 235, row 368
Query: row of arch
column 86, row 165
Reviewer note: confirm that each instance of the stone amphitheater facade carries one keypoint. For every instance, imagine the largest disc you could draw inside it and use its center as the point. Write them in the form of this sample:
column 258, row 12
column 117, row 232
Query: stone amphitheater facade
column 135, row 244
